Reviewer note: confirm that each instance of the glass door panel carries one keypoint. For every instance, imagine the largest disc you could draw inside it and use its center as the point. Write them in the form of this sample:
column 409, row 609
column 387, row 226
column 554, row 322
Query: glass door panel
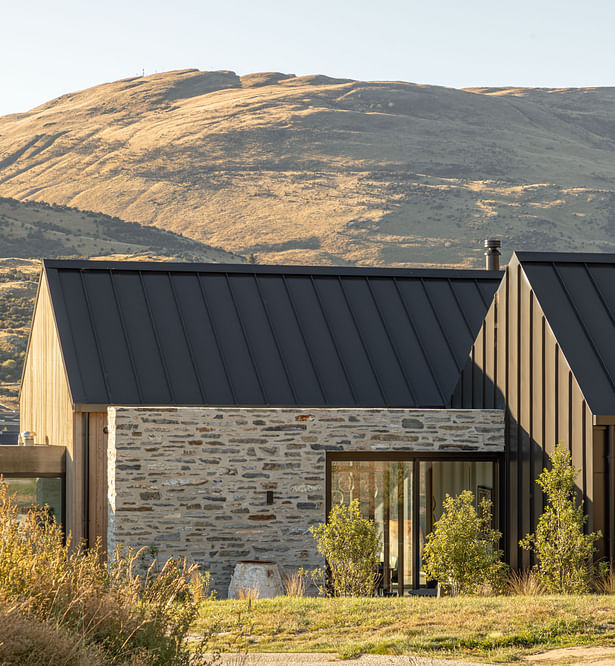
column 437, row 479
column 384, row 491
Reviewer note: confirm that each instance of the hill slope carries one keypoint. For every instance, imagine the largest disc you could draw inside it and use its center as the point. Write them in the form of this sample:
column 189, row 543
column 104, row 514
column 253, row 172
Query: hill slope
column 29, row 229
column 313, row 169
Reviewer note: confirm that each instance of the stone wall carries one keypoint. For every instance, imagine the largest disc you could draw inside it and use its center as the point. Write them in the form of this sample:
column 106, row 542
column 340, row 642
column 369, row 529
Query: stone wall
column 194, row 481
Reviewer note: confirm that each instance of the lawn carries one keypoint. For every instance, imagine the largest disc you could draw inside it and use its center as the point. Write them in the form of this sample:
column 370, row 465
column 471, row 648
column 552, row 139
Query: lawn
column 496, row 629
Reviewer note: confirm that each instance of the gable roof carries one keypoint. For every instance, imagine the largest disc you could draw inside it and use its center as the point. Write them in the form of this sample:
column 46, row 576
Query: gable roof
column 136, row 333
column 577, row 295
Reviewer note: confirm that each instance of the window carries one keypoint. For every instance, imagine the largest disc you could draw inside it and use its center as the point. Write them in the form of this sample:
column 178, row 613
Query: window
column 39, row 491
column 403, row 495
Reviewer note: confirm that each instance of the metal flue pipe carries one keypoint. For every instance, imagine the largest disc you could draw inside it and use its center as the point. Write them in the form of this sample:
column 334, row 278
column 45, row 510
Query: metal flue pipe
column 492, row 254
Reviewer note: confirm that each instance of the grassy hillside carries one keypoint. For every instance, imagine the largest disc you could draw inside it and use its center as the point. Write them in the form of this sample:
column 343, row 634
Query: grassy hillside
column 320, row 170
column 18, row 283
column 29, row 229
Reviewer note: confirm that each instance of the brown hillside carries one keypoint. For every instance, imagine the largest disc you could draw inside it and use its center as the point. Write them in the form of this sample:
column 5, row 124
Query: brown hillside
column 313, row 169
column 31, row 229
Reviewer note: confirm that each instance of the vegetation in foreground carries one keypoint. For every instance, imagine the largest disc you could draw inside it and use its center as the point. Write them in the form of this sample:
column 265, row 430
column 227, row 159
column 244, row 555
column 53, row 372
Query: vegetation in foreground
column 495, row 629
column 563, row 551
column 67, row 606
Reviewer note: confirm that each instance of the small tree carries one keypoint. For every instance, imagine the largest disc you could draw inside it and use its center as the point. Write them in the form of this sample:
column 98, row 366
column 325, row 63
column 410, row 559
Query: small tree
column 350, row 544
column 461, row 552
column 563, row 551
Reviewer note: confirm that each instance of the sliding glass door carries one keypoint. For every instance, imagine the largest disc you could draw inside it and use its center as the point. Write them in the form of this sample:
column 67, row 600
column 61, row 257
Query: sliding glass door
column 403, row 496
column 384, row 492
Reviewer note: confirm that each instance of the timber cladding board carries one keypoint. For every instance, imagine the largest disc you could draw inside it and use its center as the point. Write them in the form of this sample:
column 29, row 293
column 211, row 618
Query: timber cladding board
column 45, row 401
column 46, row 406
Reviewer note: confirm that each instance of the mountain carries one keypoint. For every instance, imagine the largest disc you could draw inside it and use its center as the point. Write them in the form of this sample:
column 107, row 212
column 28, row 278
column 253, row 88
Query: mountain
column 320, row 170
column 29, row 229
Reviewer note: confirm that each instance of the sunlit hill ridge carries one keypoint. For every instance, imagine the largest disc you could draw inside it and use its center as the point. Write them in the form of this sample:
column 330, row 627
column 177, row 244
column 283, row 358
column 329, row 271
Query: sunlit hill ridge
column 320, row 170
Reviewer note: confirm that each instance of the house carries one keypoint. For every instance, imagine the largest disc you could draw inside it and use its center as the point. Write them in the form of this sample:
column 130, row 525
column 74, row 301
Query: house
column 217, row 411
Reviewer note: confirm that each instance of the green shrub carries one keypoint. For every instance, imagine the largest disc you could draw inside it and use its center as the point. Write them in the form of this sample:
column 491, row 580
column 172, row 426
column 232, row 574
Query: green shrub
column 129, row 615
column 563, row 551
column 461, row 553
column 350, row 545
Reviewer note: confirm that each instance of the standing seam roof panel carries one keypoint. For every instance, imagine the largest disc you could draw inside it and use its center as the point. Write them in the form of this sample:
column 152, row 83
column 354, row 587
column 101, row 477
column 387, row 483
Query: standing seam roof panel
column 208, row 361
column 82, row 336
column 142, row 340
column 293, row 349
column 158, row 334
column 110, row 338
column 577, row 296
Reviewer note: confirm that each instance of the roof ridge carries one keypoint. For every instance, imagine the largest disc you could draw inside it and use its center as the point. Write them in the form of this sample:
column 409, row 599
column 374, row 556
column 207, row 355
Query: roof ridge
column 274, row 269
column 565, row 257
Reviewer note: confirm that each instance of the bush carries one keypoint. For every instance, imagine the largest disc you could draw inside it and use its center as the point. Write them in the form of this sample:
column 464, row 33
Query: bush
column 563, row 551
column 461, row 553
column 350, row 546
column 129, row 616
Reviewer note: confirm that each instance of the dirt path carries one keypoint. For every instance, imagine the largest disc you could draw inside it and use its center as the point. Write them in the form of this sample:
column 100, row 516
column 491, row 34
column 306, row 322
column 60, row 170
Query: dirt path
column 596, row 656
column 574, row 656
column 311, row 659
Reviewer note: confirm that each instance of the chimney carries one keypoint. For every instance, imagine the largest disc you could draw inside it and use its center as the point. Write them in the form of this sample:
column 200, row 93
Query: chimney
column 492, row 254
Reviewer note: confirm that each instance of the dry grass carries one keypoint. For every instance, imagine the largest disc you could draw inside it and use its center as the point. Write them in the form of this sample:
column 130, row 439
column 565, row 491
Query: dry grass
column 605, row 584
column 130, row 614
column 497, row 629
column 29, row 641
column 525, row 583
column 248, row 593
column 295, row 583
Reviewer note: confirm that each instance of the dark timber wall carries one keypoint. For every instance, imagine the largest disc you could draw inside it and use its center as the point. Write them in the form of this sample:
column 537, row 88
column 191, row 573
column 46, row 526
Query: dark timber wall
column 516, row 364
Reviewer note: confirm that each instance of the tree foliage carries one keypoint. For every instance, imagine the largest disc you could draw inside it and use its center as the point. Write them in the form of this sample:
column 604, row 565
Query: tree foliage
column 350, row 544
column 563, row 551
column 462, row 551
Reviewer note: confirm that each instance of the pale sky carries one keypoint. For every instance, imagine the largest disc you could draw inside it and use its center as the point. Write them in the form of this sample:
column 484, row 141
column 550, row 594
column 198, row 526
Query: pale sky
column 51, row 47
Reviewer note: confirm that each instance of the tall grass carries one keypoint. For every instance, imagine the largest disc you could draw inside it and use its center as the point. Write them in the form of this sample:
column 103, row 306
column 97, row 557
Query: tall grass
column 127, row 614
column 295, row 582
column 525, row 583
column 28, row 641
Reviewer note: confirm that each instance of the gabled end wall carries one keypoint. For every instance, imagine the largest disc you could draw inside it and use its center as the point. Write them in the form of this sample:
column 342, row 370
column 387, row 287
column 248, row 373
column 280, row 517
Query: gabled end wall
column 45, row 404
column 516, row 364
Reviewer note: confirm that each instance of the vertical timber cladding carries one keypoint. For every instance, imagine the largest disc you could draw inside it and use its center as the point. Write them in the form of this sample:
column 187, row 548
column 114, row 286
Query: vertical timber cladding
column 45, row 404
column 517, row 364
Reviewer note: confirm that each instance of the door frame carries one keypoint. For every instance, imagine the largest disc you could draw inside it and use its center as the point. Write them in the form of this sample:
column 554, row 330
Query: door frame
column 417, row 457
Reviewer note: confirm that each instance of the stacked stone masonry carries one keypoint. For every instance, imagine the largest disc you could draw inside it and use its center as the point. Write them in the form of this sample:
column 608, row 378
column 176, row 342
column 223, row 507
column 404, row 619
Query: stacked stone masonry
column 193, row 481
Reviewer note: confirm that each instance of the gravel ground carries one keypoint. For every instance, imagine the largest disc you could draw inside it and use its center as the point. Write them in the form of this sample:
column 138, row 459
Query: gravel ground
column 280, row 659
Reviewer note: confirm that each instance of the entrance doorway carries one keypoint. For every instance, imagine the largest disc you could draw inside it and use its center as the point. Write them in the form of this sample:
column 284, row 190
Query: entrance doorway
column 403, row 495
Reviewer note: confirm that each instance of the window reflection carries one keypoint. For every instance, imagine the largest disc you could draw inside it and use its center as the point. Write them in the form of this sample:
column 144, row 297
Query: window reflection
column 42, row 491
column 384, row 489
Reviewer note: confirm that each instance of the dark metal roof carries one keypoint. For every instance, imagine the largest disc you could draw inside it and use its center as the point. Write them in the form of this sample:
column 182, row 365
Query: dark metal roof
column 577, row 295
column 136, row 333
